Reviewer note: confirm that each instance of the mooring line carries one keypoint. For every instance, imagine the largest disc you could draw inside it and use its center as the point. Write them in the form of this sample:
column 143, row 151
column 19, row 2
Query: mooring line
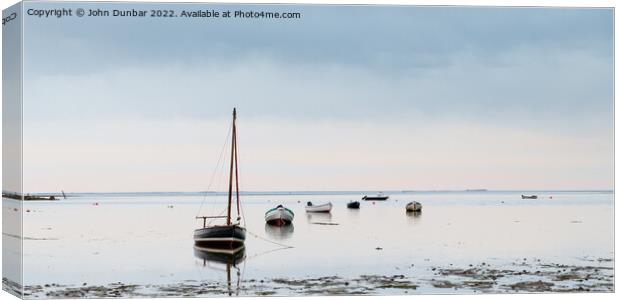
column 264, row 252
column 268, row 240
column 214, row 172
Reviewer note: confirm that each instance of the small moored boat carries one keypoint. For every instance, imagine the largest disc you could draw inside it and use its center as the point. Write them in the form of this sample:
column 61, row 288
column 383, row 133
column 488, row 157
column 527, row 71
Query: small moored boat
column 378, row 197
column 414, row 206
column 279, row 216
column 353, row 204
column 228, row 237
column 529, row 197
column 324, row 208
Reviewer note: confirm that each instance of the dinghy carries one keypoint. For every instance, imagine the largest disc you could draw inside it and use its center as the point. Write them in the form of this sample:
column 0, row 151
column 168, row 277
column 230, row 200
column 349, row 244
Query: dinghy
column 323, row 208
column 353, row 204
column 378, row 197
column 414, row 206
column 231, row 235
column 279, row 216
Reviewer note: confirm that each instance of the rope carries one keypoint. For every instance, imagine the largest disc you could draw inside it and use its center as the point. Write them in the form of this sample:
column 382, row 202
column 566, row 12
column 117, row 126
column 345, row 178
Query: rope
column 243, row 215
column 265, row 252
column 237, row 159
column 268, row 240
column 243, row 211
column 214, row 171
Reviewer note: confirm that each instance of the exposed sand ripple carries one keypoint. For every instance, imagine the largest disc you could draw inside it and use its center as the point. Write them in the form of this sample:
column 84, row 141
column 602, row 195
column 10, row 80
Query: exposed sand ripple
column 522, row 277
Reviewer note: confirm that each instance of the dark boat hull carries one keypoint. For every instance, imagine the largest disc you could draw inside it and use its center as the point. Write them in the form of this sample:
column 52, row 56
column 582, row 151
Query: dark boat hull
column 220, row 237
column 279, row 222
column 353, row 204
column 375, row 198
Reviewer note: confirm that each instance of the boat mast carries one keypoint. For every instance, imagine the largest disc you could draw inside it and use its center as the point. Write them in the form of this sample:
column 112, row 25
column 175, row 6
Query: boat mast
column 236, row 166
column 232, row 161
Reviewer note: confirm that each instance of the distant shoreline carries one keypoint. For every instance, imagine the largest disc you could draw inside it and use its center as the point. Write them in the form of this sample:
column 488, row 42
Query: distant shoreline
column 56, row 196
column 31, row 197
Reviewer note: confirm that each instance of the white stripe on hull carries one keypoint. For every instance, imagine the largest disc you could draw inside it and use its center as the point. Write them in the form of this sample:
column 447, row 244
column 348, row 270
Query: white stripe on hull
column 218, row 239
column 319, row 208
column 279, row 214
column 220, row 250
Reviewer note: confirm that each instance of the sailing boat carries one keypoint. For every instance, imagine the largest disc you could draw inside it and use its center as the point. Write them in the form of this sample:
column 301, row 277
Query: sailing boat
column 228, row 238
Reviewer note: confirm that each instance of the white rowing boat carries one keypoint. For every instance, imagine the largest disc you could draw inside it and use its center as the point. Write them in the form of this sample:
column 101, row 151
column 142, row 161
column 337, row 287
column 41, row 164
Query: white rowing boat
column 279, row 216
column 324, row 208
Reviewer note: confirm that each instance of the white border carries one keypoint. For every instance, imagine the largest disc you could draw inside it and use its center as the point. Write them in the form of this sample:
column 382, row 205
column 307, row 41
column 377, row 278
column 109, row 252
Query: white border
column 550, row 3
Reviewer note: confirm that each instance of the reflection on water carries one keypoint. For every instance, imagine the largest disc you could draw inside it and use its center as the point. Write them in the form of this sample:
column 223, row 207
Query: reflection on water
column 453, row 230
column 223, row 260
column 319, row 217
column 279, row 232
column 353, row 213
column 414, row 216
column 220, row 256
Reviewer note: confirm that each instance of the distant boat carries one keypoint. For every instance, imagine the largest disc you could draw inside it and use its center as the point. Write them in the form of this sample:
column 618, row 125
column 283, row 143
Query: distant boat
column 529, row 197
column 231, row 236
column 324, row 208
column 39, row 197
column 279, row 216
column 378, row 197
column 353, row 204
column 414, row 206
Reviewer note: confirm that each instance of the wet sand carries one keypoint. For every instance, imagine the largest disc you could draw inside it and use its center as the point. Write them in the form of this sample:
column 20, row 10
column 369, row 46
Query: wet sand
column 523, row 277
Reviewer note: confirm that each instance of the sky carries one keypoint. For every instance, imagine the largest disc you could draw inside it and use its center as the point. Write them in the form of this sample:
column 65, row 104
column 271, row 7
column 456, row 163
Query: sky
column 344, row 98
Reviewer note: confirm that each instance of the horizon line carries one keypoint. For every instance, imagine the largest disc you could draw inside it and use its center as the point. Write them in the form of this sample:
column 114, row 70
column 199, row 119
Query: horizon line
column 320, row 191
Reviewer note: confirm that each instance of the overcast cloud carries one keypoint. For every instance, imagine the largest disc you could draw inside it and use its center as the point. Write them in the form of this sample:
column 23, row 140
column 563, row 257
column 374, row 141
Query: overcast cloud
column 425, row 97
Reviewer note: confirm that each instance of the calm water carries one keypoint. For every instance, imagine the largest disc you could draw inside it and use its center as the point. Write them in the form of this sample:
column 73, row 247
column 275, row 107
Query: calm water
column 148, row 239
